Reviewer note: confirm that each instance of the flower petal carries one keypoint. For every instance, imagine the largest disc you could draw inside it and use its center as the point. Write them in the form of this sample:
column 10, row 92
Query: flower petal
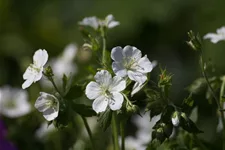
column 40, row 58
column 136, row 88
column 69, row 52
column 115, row 103
column 137, row 76
column 132, row 52
column 27, row 83
column 119, row 69
column 100, row 104
column 28, row 73
column 38, row 75
column 145, row 65
column 104, row 78
column 92, row 90
column 214, row 38
column 50, row 114
column 113, row 24
column 117, row 85
column 90, row 21
column 116, row 54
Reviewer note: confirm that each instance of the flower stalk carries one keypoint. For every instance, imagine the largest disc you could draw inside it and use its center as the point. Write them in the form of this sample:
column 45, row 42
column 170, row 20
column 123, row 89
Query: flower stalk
column 115, row 131
column 122, row 133
column 218, row 102
column 89, row 132
column 103, row 46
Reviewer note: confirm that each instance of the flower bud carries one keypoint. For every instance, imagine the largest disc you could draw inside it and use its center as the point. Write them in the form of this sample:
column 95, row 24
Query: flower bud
column 48, row 71
column 175, row 118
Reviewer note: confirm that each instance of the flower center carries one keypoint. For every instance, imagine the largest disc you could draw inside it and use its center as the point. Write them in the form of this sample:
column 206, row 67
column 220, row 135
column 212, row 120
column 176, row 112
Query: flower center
column 34, row 67
column 129, row 63
column 10, row 104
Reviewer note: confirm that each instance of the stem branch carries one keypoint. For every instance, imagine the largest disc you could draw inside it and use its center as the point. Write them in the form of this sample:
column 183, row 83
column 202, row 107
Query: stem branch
column 115, row 131
column 89, row 132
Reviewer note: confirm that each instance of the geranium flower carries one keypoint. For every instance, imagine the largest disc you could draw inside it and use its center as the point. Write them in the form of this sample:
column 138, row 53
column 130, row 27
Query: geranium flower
column 216, row 37
column 106, row 91
column 95, row 22
column 14, row 102
column 128, row 62
column 34, row 72
column 64, row 63
column 47, row 104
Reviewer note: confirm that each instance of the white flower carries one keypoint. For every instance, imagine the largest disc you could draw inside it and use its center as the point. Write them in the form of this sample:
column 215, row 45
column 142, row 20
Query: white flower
column 90, row 21
column 44, row 130
column 95, row 22
column 128, row 62
column 47, row 104
column 13, row 102
column 64, row 64
column 34, row 72
column 144, row 125
column 105, row 91
column 137, row 86
column 216, row 37
column 109, row 22
column 175, row 118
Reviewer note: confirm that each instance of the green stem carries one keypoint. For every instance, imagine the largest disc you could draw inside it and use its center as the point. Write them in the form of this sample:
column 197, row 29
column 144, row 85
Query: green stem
column 122, row 133
column 103, row 46
column 89, row 132
column 214, row 96
column 115, row 131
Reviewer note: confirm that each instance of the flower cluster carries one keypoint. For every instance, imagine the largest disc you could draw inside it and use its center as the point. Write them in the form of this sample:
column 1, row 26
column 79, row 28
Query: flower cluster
column 96, row 23
column 216, row 37
column 128, row 64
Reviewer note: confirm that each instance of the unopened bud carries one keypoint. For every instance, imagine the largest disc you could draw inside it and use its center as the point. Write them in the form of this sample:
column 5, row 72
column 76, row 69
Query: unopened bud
column 175, row 118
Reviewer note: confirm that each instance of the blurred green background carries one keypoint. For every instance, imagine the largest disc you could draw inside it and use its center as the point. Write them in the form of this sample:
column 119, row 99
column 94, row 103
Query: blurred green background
column 157, row 27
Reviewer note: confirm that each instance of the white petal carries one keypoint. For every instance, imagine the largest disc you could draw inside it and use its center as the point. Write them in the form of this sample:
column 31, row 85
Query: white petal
column 38, row 76
column 100, row 104
column 119, row 69
column 117, row 85
column 116, row 54
column 90, row 21
column 41, row 104
column 28, row 73
column 221, row 30
column 40, row 58
column 50, row 114
column 70, row 52
column 113, row 24
column 145, row 65
column 104, row 78
column 131, row 52
column 214, row 38
column 109, row 18
column 136, row 88
column 115, row 103
column 27, row 83
column 137, row 76
column 92, row 90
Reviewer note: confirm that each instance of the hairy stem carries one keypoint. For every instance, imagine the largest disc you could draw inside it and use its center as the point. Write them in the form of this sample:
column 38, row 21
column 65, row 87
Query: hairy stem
column 115, row 131
column 122, row 133
column 88, row 131
column 214, row 96
column 103, row 46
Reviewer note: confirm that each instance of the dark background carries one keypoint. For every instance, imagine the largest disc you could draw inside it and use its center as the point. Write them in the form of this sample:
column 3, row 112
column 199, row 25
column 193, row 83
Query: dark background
column 157, row 27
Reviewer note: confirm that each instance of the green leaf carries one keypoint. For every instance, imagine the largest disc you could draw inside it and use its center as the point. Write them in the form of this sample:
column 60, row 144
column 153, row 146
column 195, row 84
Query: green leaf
column 188, row 125
column 105, row 119
column 74, row 92
column 155, row 108
column 83, row 110
column 188, row 103
column 197, row 86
